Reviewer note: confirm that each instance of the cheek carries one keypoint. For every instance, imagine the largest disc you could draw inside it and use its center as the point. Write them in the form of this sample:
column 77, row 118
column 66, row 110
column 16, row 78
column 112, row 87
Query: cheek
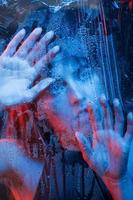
column 47, row 108
column 59, row 122
column 61, row 106
column 63, row 130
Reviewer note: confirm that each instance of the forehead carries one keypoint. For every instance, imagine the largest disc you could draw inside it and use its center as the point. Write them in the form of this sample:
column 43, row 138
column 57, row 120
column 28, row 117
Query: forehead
column 66, row 67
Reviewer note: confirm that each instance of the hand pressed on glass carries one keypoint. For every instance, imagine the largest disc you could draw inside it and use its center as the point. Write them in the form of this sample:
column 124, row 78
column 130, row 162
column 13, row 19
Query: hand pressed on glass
column 109, row 155
column 19, row 67
column 20, row 64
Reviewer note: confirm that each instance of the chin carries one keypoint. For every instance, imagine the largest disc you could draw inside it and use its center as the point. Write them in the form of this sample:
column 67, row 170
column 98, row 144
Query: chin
column 67, row 140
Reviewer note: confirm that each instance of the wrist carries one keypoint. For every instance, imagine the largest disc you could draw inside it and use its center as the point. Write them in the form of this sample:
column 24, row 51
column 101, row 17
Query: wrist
column 121, row 189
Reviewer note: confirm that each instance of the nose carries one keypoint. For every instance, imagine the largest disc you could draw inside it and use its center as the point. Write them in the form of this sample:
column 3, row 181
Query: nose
column 75, row 94
column 76, row 101
column 73, row 99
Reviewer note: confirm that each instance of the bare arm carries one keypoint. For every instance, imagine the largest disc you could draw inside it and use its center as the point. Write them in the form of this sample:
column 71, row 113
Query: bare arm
column 20, row 65
column 18, row 171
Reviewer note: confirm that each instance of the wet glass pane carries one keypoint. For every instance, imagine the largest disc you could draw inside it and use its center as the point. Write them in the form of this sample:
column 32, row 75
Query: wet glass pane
column 95, row 37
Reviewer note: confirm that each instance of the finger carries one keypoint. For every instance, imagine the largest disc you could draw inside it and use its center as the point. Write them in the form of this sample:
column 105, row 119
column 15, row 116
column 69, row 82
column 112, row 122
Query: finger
column 119, row 117
column 95, row 123
column 93, row 118
column 109, row 139
column 51, row 54
column 85, row 147
column 106, row 113
column 12, row 46
column 129, row 132
column 40, row 48
column 45, row 60
column 34, row 91
column 29, row 43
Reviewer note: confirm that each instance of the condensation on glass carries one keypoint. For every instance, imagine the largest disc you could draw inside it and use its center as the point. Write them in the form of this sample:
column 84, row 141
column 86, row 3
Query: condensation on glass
column 90, row 29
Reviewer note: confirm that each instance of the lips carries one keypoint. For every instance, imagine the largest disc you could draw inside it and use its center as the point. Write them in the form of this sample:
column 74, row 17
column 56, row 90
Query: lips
column 81, row 122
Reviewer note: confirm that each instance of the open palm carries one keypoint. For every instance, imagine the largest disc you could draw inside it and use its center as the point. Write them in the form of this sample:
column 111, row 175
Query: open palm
column 108, row 152
column 20, row 67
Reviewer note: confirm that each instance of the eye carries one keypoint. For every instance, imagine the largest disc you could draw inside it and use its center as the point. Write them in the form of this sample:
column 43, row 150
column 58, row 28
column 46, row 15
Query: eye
column 57, row 87
column 85, row 74
column 82, row 74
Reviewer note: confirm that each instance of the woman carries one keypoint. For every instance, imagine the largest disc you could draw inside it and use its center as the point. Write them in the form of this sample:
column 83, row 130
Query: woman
column 77, row 99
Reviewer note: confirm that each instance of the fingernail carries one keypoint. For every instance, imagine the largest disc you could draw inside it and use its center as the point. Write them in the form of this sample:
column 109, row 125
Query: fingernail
column 22, row 31
column 49, row 35
column 38, row 30
column 78, row 135
column 130, row 116
column 103, row 98
column 56, row 49
column 116, row 102
column 50, row 80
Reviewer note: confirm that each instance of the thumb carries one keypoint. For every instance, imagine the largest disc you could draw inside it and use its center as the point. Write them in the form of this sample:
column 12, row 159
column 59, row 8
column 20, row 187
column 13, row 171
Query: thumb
column 84, row 146
column 34, row 91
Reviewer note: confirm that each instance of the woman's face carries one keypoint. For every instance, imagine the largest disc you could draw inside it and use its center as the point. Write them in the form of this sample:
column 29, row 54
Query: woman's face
column 66, row 100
